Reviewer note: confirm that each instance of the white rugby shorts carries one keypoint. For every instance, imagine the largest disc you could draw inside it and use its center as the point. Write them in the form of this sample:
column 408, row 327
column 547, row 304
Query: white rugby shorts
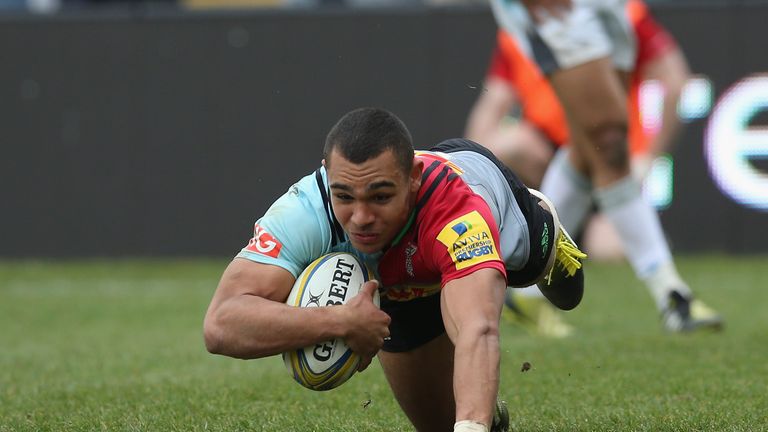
column 590, row 30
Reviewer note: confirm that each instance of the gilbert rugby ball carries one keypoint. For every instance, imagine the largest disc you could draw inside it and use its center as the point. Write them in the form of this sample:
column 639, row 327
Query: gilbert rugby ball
column 332, row 279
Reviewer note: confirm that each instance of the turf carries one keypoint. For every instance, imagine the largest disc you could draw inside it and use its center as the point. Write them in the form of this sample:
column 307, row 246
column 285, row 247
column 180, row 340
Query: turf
column 117, row 345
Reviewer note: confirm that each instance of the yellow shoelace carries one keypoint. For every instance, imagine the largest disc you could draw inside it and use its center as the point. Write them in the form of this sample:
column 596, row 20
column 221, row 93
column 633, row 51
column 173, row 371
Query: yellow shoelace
column 567, row 255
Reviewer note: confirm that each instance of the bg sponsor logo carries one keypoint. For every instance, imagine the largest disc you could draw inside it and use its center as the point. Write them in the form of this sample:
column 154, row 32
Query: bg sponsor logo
column 263, row 243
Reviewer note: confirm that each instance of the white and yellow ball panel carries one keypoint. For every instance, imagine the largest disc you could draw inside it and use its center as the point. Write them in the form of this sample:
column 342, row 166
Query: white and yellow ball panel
column 332, row 279
column 339, row 372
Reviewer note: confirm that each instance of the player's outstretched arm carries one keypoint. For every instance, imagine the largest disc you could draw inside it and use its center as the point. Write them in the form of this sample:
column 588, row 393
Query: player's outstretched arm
column 471, row 307
column 248, row 318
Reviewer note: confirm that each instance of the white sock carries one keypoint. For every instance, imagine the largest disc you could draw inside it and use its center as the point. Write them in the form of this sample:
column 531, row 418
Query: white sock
column 641, row 234
column 469, row 426
column 664, row 280
column 569, row 190
column 530, row 291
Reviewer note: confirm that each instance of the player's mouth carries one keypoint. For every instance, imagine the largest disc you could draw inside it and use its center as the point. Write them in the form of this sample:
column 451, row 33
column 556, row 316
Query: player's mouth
column 365, row 238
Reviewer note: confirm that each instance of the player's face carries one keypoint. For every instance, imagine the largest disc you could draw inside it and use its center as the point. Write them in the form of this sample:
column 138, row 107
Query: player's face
column 372, row 200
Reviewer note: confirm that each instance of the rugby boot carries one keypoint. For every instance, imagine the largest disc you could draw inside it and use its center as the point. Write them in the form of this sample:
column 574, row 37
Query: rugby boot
column 500, row 421
column 564, row 285
column 688, row 314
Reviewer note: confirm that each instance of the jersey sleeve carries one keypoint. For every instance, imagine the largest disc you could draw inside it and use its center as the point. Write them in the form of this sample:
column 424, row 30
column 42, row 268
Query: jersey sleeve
column 292, row 232
column 462, row 232
column 499, row 66
column 653, row 40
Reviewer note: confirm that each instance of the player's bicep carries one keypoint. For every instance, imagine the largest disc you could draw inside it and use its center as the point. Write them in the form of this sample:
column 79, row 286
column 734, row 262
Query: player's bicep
column 245, row 277
column 497, row 99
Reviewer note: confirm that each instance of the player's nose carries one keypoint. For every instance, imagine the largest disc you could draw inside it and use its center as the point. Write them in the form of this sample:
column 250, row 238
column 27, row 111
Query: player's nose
column 362, row 215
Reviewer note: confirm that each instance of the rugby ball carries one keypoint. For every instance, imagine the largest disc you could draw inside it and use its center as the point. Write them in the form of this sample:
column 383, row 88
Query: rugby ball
column 330, row 280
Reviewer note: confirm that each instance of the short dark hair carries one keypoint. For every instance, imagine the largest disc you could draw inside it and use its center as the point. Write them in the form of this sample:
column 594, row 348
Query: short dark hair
column 365, row 133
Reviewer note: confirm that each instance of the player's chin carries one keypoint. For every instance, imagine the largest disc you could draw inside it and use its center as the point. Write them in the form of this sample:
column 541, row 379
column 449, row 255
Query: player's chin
column 367, row 249
column 367, row 243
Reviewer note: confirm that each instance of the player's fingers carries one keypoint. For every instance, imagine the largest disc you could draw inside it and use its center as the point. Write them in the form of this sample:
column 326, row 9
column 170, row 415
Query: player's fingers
column 370, row 287
column 364, row 363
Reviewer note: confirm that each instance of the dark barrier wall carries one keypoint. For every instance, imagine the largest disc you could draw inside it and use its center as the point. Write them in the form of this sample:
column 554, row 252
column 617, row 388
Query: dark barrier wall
column 136, row 135
column 169, row 135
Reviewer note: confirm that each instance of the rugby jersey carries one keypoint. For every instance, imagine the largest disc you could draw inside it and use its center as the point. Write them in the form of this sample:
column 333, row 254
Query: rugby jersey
column 450, row 234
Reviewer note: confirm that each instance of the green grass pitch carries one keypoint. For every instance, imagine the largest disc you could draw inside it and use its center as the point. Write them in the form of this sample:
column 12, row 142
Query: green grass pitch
column 117, row 346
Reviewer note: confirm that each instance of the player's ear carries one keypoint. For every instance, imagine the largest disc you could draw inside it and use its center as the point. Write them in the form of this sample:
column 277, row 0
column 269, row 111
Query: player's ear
column 415, row 175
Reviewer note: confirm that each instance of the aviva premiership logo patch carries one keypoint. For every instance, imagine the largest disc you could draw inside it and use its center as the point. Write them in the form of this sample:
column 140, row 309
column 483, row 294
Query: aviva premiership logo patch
column 468, row 240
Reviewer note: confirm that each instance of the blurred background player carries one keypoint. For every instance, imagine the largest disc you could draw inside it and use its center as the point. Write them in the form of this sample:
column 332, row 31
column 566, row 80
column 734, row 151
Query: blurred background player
column 528, row 139
column 519, row 118
column 515, row 88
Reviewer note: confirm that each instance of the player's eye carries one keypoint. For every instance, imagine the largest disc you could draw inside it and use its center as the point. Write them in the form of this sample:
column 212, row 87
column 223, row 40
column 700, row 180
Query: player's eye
column 343, row 197
column 381, row 198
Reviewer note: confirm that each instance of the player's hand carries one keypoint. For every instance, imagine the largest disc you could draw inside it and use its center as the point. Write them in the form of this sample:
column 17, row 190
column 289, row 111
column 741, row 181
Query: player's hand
column 540, row 10
column 367, row 325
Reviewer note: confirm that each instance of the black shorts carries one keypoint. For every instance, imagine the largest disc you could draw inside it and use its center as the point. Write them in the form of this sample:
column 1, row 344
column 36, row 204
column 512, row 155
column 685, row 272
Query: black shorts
column 414, row 322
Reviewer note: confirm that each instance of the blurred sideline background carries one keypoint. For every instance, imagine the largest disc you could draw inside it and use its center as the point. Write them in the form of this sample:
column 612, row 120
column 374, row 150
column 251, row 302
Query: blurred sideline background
column 165, row 128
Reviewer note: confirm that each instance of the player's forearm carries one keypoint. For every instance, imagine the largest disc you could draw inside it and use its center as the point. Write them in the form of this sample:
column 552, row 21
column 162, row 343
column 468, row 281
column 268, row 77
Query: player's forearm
column 671, row 70
column 252, row 327
column 483, row 123
column 670, row 124
column 487, row 114
column 476, row 373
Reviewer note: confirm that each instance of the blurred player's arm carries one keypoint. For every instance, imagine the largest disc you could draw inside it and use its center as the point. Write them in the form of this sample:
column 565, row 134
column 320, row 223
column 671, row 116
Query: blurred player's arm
column 494, row 103
column 517, row 143
column 248, row 317
column 471, row 306
column 660, row 59
column 671, row 71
